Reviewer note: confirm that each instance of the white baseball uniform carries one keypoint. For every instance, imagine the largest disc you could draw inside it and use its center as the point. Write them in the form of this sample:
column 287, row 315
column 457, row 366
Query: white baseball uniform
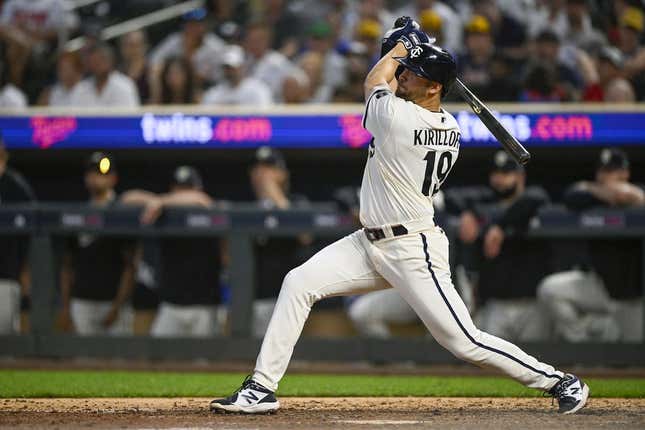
column 410, row 156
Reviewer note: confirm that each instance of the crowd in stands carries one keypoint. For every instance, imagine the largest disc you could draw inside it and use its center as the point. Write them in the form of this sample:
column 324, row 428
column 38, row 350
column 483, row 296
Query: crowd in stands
column 306, row 51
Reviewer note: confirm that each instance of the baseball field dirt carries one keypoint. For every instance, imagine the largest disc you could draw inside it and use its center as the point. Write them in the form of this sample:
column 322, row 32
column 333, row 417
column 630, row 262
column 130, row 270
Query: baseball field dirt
column 321, row 413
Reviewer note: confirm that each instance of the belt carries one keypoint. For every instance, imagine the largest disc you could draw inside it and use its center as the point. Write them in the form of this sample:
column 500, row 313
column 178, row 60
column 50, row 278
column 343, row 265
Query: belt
column 374, row 234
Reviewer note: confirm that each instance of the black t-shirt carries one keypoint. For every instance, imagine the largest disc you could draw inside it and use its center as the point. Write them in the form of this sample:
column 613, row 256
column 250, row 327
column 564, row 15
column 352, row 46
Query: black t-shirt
column 14, row 189
column 521, row 264
column 189, row 271
column 98, row 263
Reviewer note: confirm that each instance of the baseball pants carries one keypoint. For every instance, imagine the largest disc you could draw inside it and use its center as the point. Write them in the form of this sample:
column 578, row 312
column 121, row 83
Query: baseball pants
column 416, row 266
column 88, row 316
column 372, row 313
column 9, row 306
column 185, row 321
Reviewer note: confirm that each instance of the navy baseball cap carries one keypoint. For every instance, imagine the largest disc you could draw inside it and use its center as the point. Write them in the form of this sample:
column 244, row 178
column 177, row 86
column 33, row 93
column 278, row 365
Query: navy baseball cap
column 502, row 162
column 270, row 156
column 100, row 162
column 187, row 176
column 613, row 159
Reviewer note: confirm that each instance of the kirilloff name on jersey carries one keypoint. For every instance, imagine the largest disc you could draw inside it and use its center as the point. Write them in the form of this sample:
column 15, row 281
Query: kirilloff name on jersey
column 429, row 136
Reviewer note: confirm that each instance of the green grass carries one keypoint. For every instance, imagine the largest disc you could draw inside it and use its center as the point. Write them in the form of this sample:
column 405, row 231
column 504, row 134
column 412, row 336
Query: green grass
column 40, row 383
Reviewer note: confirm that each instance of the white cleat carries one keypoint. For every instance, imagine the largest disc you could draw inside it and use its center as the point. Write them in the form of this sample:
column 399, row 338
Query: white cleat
column 571, row 394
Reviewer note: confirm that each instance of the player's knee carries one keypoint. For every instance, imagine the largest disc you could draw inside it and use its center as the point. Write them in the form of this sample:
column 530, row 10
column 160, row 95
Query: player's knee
column 297, row 285
column 358, row 312
column 548, row 289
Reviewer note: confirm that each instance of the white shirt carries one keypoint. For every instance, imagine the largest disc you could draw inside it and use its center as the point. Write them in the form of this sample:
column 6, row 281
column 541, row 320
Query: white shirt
column 34, row 14
column 205, row 59
column 410, row 156
column 119, row 90
column 59, row 95
column 249, row 92
column 12, row 97
column 271, row 69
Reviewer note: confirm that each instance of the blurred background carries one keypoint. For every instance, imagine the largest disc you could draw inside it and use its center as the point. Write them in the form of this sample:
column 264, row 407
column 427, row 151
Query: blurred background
column 164, row 164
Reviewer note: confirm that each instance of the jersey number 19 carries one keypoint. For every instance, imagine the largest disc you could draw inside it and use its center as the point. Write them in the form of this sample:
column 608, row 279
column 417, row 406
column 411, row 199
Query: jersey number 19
column 443, row 166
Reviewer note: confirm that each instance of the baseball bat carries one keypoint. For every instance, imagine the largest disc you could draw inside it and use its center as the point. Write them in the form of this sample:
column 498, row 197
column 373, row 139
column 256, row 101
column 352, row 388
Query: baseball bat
column 506, row 139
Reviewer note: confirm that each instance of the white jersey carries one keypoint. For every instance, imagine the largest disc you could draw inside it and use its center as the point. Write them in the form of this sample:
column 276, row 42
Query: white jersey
column 410, row 155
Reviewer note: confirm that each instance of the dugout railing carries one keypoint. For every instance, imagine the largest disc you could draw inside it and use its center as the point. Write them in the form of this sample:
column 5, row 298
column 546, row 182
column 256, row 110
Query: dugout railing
column 41, row 224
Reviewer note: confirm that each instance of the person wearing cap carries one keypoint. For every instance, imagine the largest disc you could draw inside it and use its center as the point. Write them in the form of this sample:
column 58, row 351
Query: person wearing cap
column 274, row 255
column 598, row 295
column 475, row 60
column 14, row 273
column 97, row 273
column 631, row 27
column 493, row 250
column 610, row 85
column 189, row 268
column 320, row 41
column 105, row 86
column 203, row 48
column 452, row 23
column 238, row 88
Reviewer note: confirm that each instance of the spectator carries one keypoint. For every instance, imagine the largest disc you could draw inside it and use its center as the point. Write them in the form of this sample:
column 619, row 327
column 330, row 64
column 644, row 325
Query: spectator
column 105, row 86
column 296, row 87
column 452, row 24
column 10, row 95
column 238, row 88
column 474, row 63
column 547, row 51
column 509, row 35
column 547, row 15
column 189, row 268
column 69, row 72
column 178, row 82
column 541, row 85
column 333, row 70
column 265, row 64
column 431, row 23
column 358, row 64
column 364, row 10
column 14, row 273
column 287, row 26
column 369, row 34
column 32, row 29
column 275, row 256
column 133, row 48
column 312, row 64
column 579, row 31
column 493, row 220
column 97, row 275
column 609, row 77
column 632, row 24
column 203, row 49
column 599, row 297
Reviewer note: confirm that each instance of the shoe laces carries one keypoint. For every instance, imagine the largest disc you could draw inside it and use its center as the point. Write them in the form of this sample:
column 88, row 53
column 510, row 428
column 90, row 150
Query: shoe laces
column 560, row 389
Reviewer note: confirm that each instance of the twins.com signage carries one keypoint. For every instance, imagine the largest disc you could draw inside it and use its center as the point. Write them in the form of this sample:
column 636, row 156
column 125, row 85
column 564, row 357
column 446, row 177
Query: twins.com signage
column 180, row 130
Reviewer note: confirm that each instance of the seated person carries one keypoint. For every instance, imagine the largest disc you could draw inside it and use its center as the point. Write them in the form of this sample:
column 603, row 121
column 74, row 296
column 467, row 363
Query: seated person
column 599, row 297
column 493, row 220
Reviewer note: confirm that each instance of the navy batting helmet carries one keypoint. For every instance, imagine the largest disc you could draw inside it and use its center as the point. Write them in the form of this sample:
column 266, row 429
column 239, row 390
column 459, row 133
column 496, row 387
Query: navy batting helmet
column 433, row 63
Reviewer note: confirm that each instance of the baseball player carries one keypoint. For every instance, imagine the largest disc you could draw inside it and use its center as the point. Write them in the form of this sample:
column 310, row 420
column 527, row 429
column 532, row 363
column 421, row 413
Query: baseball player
column 415, row 145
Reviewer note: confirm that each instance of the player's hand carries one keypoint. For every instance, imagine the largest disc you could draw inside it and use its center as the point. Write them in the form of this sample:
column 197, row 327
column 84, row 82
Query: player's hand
column 468, row 227
column 493, row 242
column 111, row 316
column 402, row 25
column 414, row 38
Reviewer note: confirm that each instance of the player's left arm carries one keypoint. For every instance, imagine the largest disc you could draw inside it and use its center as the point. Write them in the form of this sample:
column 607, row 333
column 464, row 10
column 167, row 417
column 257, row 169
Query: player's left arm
column 383, row 72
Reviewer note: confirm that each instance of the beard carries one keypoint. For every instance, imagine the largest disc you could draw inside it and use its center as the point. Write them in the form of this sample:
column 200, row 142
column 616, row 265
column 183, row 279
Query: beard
column 504, row 193
column 401, row 93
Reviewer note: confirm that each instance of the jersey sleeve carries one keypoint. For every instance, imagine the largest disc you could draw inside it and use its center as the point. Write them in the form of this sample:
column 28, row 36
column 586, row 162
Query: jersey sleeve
column 380, row 111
